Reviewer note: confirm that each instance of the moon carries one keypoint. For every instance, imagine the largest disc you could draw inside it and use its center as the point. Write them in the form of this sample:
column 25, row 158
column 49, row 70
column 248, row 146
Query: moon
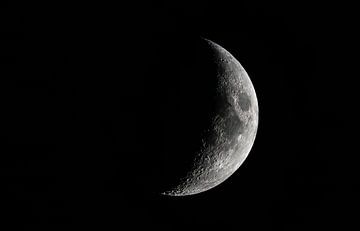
column 231, row 122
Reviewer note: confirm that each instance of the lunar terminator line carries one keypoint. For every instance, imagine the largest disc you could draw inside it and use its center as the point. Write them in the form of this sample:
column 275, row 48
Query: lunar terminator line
column 229, row 138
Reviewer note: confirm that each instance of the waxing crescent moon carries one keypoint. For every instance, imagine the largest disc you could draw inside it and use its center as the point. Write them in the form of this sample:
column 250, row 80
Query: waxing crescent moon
column 231, row 134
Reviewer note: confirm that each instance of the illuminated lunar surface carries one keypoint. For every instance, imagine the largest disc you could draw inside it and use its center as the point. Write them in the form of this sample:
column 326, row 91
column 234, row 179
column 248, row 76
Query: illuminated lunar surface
column 232, row 129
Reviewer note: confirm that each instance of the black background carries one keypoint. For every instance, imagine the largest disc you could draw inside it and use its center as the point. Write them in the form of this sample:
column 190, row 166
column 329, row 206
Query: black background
column 80, row 87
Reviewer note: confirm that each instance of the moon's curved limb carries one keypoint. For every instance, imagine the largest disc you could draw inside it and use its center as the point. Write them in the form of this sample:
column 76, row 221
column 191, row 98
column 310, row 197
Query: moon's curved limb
column 233, row 130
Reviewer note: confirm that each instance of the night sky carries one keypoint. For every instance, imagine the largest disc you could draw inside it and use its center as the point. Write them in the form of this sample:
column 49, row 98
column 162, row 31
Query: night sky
column 82, row 86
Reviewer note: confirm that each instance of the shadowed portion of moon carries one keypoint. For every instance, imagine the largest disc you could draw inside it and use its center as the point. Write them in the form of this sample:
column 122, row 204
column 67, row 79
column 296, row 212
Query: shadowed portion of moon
column 207, row 118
